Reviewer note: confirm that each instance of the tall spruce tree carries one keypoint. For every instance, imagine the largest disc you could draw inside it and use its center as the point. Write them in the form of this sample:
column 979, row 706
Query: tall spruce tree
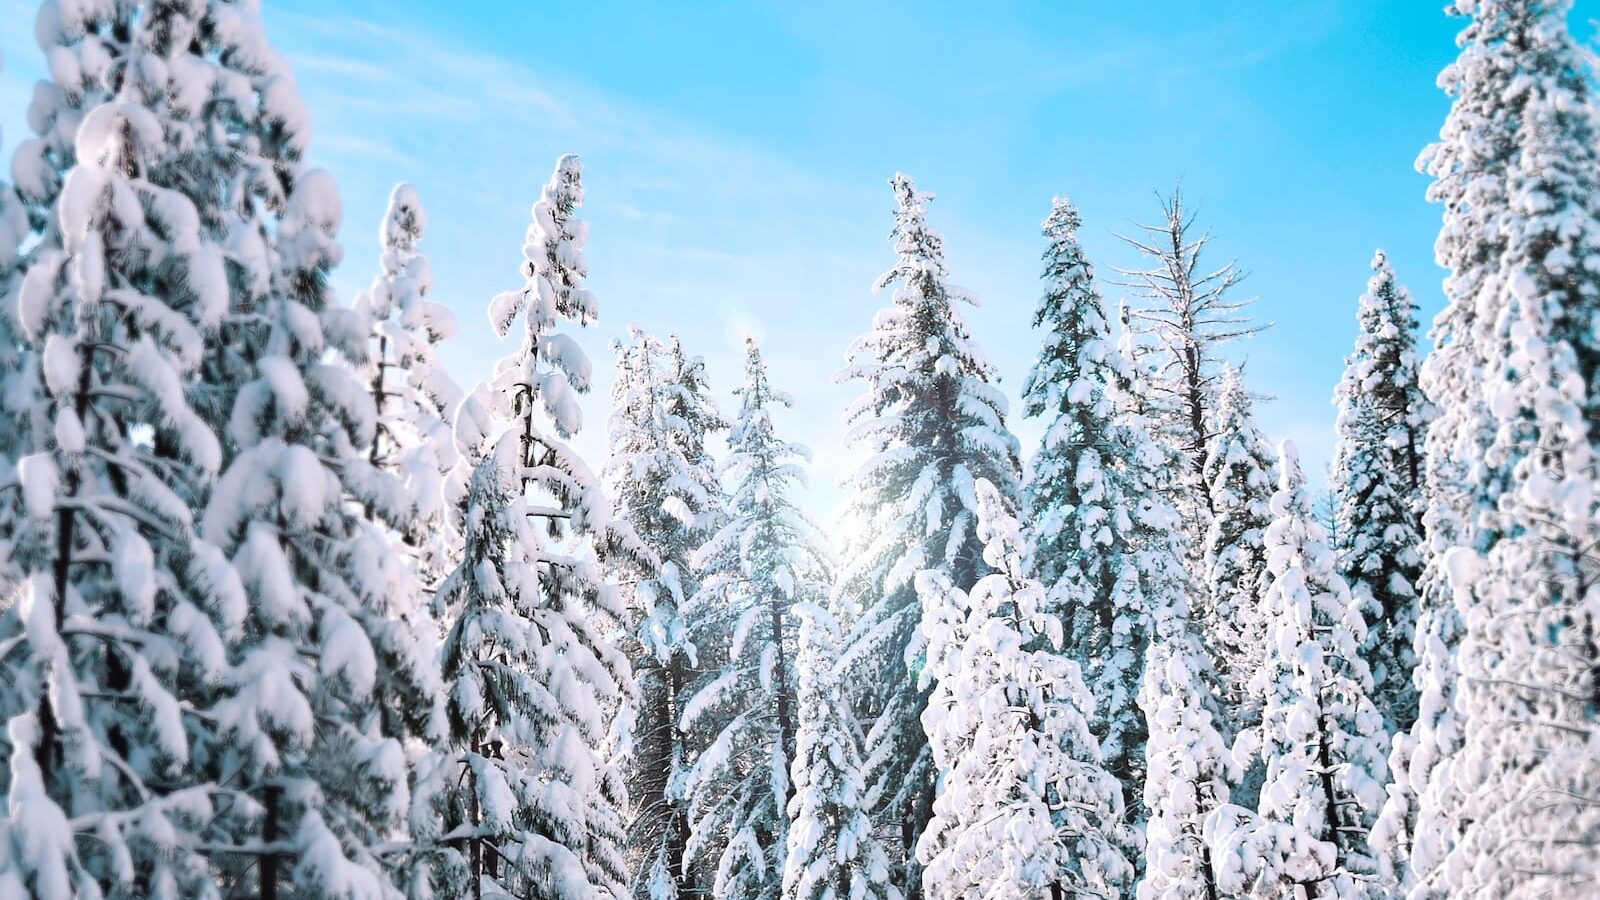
column 1188, row 769
column 1025, row 808
column 1242, row 474
column 1377, row 482
column 1187, row 314
column 316, row 723
column 324, row 689
column 122, row 608
column 1499, row 799
column 664, row 486
column 833, row 853
column 415, row 398
column 1321, row 737
column 1523, row 571
column 19, row 392
column 413, row 472
column 130, row 105
column 934, row 423
column 1109, row 547
column 764, row 560
column 526, row 801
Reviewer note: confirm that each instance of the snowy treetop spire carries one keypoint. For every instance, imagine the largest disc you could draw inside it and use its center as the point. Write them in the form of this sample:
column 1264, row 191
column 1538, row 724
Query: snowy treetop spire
column 933, row 425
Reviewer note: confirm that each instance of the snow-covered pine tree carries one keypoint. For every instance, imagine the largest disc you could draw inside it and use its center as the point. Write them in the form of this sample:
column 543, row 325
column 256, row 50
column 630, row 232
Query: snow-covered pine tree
column 1025, row 809
column 415, row 482
column 18, row 386
column 82, row 44
column 296, row 724
column 530, row 804
column 1321, row 737
column 122, row 609
column 664, row 485
column 1188, row 769
column 1187, row 314
column 313, row 730
column 1521, row 381
column 210, row 170
column 414, row 396
column 1242, row 474
column 1109, row 547
column 833, row 853
column 1499, row 799
column 1377, row 481
column 934, row 424
column 766, row 558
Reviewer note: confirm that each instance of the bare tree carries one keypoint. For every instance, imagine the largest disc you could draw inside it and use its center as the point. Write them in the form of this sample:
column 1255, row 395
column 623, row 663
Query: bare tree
column 1186, row 315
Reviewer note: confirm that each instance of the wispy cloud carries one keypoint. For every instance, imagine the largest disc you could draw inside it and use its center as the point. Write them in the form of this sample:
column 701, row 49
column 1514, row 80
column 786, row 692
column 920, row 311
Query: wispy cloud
column 693, row 230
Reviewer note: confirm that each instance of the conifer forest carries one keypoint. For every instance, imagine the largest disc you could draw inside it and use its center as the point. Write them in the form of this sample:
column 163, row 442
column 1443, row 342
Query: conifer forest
column 289, row 609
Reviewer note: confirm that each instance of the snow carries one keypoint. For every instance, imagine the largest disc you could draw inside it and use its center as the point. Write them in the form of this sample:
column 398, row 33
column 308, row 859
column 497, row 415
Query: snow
column 832, row 851
column 1009, row 716
column 34, row 296
column 926, row 384
column 107, row 131
column 39, row 479
column 524, row 603
column 260, row 548
column 1322, row 740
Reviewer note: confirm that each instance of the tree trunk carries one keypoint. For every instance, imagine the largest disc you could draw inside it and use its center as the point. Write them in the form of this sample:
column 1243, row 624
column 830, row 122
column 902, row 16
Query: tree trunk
column 786, row 728
column 477, row 817
column 1329, row 795
column 1197, row 421
column 677, row 821
column 49, row 726
column 269, row 836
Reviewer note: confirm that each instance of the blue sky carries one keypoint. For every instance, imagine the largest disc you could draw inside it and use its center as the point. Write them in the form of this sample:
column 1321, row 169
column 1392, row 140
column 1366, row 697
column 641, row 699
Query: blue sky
column 736, row 156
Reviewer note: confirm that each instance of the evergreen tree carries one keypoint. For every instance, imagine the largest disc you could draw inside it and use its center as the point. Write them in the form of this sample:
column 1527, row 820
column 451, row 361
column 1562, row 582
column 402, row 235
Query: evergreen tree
column 1523, row 571
column 1500, row 797
column 766, row 558
column 315, row 723
column 413, row 470
column 1377, row 477
column 414, row 396
column 832, row 851
column 122, row 608
column 1242, row 473
column 134, row 273
column 1188, row 314
column 1321, row 737
column 1025, row 808
column 86, row 42
column 1188, row 770
column 664, row 486
column 528, row 796
column 1109, row 546
column 934, row 424
column 18, row 385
